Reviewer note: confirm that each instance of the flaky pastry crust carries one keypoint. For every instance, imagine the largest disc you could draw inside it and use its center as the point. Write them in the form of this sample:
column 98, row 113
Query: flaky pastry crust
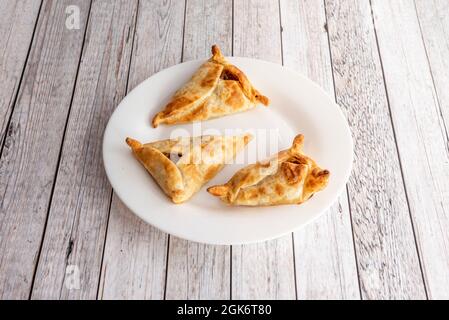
column 182, row 166
column 216, row 89
column 290, row 177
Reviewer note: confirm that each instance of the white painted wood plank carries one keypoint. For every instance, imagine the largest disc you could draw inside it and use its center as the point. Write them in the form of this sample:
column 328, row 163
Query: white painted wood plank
column 198, row 271
column 134, row 265
column 76, row 227
column 134, row 259
column 421, row 136
column 264, row 270
column 433, row 17
column 30, row 156
column 17, row 22
column 324, row 250
column 387, row 258
column 207, row 22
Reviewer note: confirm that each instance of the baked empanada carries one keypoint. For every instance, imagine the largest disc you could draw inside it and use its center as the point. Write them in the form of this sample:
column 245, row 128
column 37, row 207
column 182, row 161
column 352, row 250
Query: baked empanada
column 218, row 88
column 182, row 166
column 290, row 177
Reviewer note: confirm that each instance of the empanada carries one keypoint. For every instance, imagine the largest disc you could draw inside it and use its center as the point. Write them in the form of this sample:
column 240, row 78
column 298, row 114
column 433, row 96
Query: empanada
column 218, row 88
column 182, row 166
column 290, row 177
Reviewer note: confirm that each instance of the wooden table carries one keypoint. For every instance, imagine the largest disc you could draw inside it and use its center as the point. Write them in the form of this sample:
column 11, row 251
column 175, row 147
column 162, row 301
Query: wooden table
column 63, row 232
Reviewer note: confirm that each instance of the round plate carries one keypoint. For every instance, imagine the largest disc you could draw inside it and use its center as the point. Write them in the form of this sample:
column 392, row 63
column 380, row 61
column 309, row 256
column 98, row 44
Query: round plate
column 297, row 105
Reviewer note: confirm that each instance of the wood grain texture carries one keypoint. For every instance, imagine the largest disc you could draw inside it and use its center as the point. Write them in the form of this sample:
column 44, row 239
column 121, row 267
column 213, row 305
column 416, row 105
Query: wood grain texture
column 387, row 258
column 389, row 61
column 134, row 262
column 134, row 265
column 433, row 18
column 207, row 22
column 30, row 155
column 17, row 22
column 199, row 271
column 421, row 136
column 79, row 210
column 264, row 270
column 324, row 250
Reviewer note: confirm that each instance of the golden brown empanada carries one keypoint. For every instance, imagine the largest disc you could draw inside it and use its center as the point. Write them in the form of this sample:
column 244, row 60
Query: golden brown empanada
column 289, row 177
column 218, row 88
column 199, row 160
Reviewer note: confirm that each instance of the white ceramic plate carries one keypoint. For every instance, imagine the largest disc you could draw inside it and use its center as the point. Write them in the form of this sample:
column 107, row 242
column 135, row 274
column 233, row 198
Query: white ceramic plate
column 297, row 106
